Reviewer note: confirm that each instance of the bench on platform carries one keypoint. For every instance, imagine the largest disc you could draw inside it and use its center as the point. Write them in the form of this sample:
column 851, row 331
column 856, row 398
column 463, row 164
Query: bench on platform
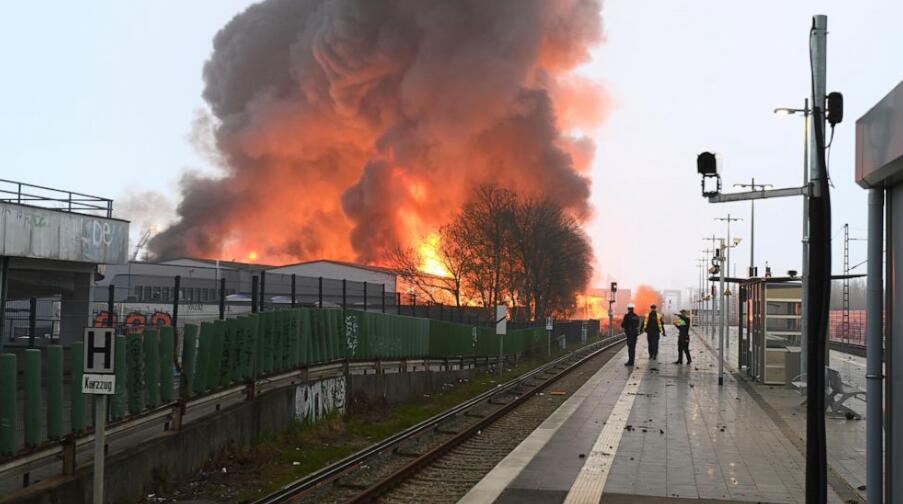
column 836, row 394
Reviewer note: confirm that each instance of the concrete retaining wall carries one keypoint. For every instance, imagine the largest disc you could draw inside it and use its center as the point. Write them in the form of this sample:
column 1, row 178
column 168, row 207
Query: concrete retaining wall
column 134, row 472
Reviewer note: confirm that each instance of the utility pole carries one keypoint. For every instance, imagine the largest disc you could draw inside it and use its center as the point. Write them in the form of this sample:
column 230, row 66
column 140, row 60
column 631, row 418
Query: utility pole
column 721, row 261
column 752, row 224
column 728, row 219
column 711, row 293
column 846, row 282
column 819, row 263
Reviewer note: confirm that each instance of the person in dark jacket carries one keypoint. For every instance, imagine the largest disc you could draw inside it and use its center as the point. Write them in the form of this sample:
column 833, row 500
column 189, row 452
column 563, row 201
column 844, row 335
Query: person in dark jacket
column 631, row 326
column 683, row 337
column 654, row 328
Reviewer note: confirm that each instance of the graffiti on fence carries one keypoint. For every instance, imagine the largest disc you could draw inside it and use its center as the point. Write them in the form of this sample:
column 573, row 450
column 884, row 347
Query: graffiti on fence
column 102, row 319
column 351, row 334
column 134, row 321
column 316, row 400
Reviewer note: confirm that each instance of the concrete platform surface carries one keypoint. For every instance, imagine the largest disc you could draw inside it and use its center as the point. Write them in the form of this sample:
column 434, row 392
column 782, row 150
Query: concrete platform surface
column 668, row 433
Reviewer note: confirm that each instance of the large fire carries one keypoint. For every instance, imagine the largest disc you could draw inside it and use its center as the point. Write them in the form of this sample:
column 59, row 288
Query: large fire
column 430, row 261
column 345, row 129
column 592, row 306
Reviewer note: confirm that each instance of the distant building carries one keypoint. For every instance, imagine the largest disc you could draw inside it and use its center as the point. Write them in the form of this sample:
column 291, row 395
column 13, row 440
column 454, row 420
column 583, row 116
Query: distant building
column 672, row 300
column 327, row 268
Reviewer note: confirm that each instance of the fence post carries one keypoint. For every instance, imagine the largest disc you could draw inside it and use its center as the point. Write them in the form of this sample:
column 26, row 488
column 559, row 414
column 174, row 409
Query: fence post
column 222, row 298
column 167, row 359
column 398, row 303
column 76, row 398
column 4, row 272
column 8, row 403
column 32, row 397
column 254, row 294
column 263, row 283
column 32, row 320
column 413, row 304
column 320, row 293
column 344, row 293
column 382, row 297
column 293, row 289
column 177, row 285
column 111, row 298
column 54, row 392
column 365, row 296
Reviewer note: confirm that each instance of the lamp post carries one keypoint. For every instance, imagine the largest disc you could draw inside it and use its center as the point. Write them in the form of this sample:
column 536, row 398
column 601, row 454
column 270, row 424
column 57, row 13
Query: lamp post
column 729, row 245
column 804, row 273
column 752, row 224
column 611, row 302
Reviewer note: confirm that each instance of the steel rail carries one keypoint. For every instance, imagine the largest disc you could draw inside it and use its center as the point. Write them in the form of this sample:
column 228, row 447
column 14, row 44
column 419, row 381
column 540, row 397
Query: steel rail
column 342, row 467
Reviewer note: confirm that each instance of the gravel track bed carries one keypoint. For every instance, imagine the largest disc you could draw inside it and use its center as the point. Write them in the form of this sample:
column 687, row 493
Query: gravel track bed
column 455, row 473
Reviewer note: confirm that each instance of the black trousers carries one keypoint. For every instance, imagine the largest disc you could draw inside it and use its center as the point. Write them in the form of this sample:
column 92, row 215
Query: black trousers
column 683, row 348
column 652, row 338
column 631, row 348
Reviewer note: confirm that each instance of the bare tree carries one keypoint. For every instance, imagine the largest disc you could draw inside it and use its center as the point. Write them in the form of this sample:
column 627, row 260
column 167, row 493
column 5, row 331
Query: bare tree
column 455, row 257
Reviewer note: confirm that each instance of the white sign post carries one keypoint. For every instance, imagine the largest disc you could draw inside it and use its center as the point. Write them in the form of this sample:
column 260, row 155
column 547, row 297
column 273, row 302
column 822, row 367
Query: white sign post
column 501, row 329
column 549, row 326
column 99, row 380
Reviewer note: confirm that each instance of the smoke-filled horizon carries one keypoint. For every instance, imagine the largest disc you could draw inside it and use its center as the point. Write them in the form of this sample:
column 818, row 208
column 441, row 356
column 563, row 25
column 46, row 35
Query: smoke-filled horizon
column 347, row 127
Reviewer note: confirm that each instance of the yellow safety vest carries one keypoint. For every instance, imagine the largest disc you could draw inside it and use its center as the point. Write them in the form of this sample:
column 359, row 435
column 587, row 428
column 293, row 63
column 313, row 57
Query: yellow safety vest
column 658, row 316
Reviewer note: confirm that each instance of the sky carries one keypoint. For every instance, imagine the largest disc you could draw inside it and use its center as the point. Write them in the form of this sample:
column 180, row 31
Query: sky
column 101, row 98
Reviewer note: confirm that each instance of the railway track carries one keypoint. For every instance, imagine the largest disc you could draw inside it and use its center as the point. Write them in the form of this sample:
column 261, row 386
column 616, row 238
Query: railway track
column 450, row 451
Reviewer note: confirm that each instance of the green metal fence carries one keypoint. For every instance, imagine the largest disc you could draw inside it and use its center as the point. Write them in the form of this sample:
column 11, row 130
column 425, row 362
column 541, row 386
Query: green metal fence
column 219, row 354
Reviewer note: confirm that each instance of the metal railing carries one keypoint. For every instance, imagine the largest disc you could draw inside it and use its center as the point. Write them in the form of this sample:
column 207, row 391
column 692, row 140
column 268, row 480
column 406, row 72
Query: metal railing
column 56, row 199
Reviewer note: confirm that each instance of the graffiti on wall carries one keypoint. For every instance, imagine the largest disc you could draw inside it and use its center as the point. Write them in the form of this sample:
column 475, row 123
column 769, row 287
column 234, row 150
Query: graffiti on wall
column 316, row 400
column 134, row 321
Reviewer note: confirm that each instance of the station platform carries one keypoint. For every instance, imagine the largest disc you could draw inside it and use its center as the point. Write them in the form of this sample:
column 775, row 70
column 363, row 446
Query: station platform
column 667, row 433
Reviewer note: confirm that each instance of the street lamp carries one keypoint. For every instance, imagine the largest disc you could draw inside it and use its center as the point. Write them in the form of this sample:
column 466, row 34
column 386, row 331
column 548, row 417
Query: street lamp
column 804, row 273
column 752, row 222
column 611, row 302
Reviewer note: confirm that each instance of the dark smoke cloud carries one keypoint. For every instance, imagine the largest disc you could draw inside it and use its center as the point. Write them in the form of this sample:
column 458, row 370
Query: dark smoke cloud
column 347, row 126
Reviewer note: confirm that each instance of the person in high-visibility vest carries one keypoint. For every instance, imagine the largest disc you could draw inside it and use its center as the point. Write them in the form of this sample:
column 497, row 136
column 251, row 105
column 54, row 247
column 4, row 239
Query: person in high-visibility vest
column 683, row 337
column 654, row 328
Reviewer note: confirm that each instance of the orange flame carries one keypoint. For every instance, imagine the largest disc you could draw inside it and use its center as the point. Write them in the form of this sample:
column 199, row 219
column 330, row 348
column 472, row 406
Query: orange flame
column 592, row 306
column 430, row 261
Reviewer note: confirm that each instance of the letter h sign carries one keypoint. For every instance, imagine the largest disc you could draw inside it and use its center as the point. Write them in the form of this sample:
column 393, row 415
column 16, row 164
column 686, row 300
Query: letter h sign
column 99, row 350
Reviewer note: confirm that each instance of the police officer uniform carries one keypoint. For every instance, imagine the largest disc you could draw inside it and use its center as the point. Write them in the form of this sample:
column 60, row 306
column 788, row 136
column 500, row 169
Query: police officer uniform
column 683, row 337
column 654, row 328
column 631, row 325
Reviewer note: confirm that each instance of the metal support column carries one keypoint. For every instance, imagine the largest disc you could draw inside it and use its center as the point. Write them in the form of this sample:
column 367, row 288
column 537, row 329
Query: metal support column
column 33, row 319
column 263, row 286
column 4, row 275
column 721, row 315
column 177, row 286
column 254, row 281
column 874, row 331
column 222, row 298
